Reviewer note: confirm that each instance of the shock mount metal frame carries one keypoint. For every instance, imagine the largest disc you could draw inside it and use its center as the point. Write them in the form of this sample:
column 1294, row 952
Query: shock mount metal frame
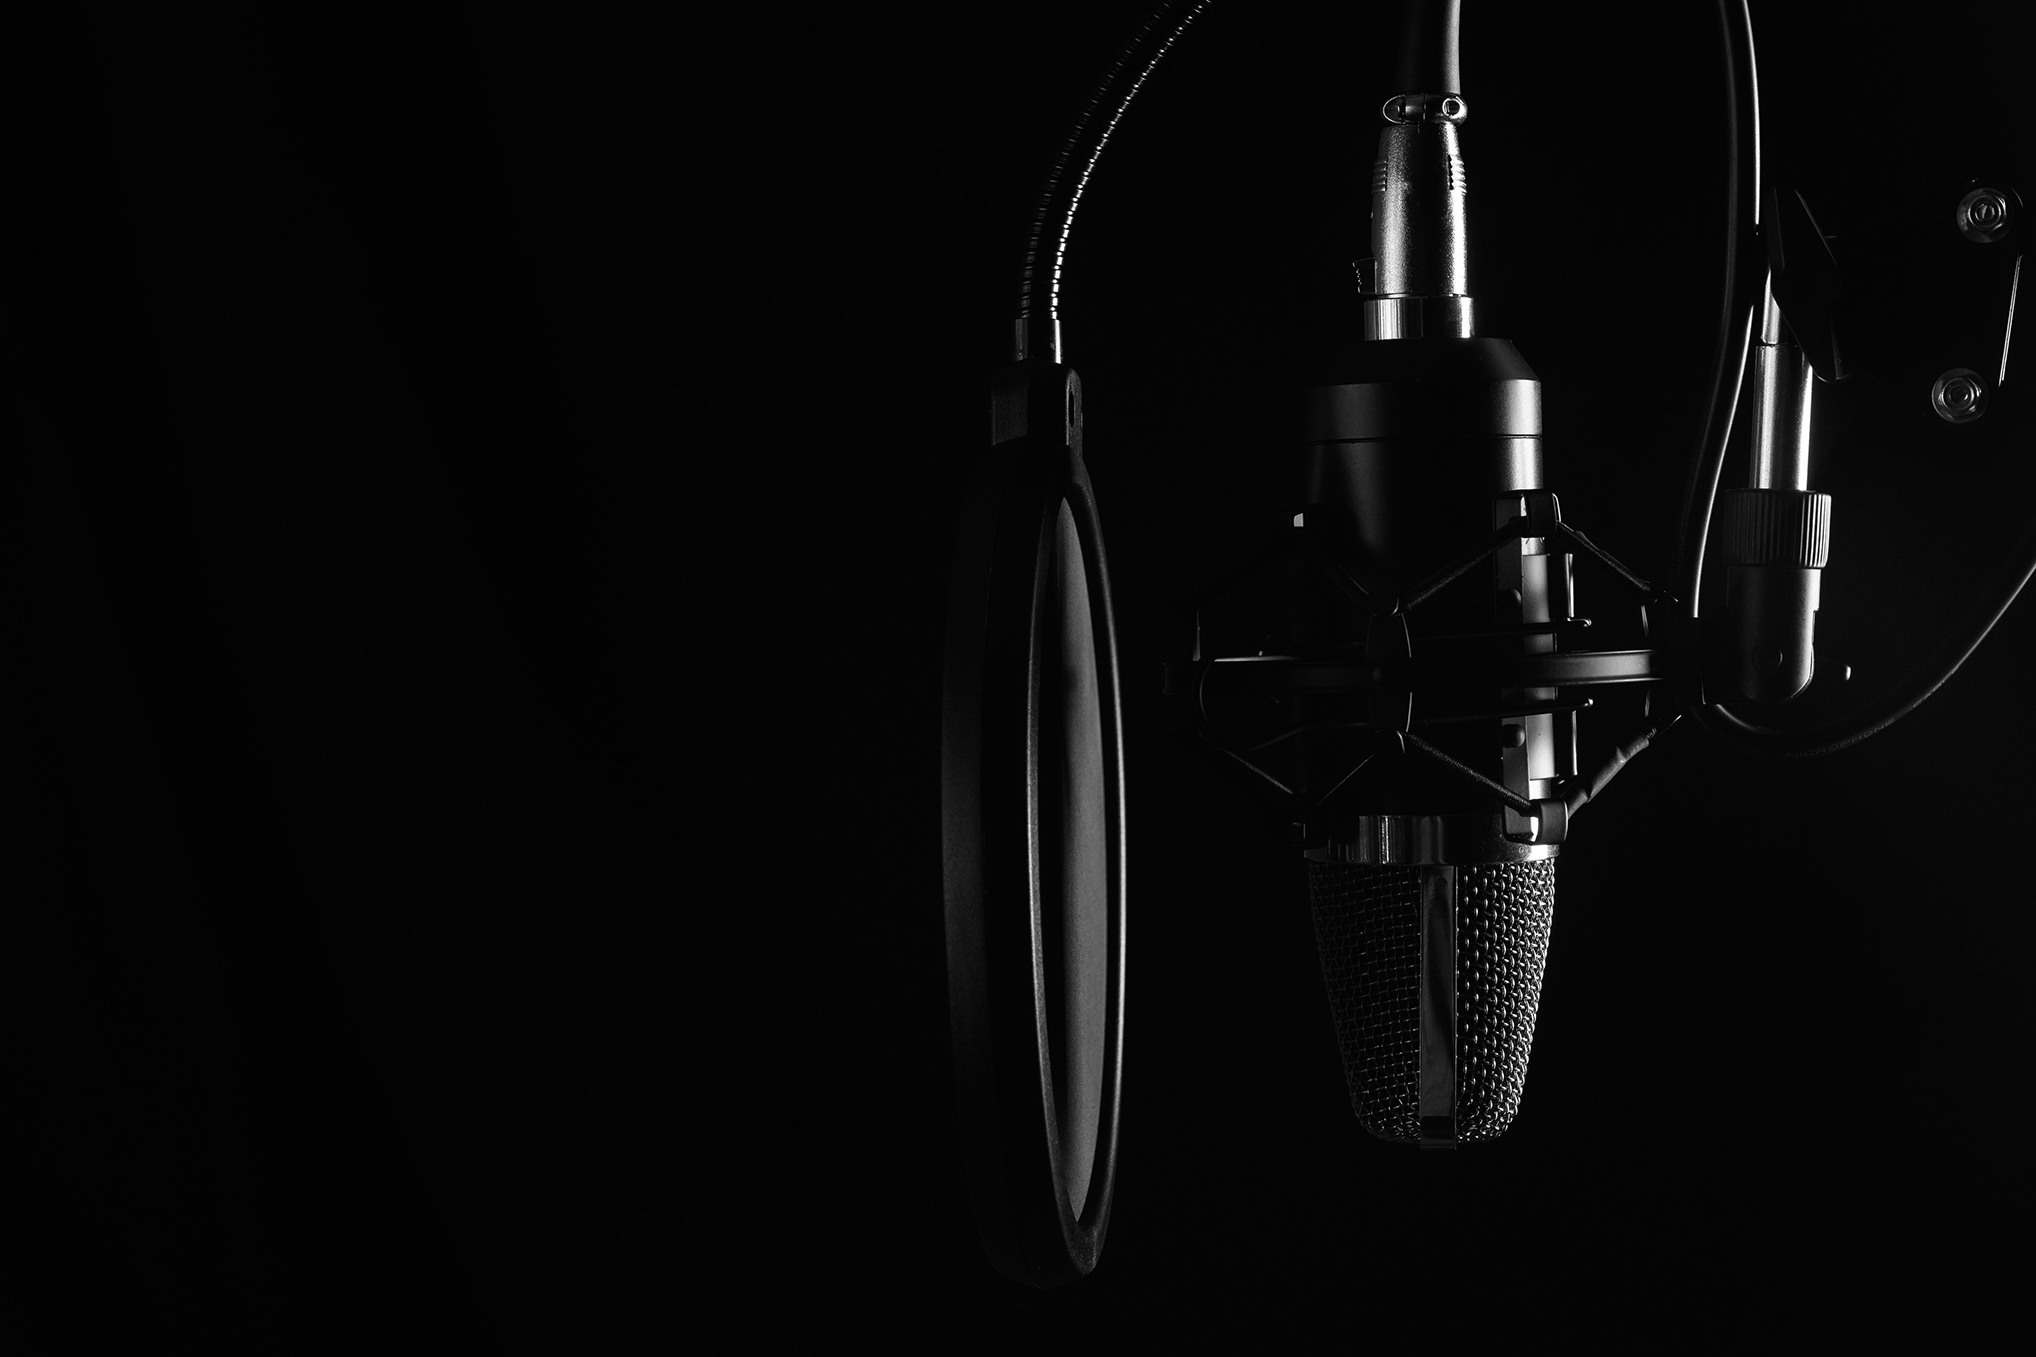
column 1388, row 671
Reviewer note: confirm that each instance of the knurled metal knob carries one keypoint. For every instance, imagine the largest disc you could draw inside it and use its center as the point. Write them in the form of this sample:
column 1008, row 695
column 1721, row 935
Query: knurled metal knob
column 1774, row 527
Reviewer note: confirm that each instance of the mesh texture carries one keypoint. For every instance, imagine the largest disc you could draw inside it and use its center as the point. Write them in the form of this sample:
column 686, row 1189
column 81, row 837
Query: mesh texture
column 1503, row 915
column 1368, row 934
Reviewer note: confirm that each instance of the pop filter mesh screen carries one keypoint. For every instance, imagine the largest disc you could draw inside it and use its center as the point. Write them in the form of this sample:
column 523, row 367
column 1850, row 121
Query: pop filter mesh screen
column 1368, row 931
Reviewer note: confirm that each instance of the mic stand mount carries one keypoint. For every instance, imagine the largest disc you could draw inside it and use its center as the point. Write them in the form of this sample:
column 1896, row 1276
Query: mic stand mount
column 1407, row 684
column 1941, row 348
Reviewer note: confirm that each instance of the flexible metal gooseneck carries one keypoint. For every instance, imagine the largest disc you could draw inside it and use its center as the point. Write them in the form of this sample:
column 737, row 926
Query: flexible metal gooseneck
column 1037, row 331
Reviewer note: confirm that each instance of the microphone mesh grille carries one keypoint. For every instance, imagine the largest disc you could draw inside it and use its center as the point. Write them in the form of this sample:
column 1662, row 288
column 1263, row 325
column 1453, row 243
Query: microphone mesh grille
column 1368, row 932
column 1503, row 914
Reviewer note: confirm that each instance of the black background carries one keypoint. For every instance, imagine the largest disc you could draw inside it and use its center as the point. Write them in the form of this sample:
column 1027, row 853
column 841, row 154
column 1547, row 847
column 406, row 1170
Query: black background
column 481, row 485
column 351, row 841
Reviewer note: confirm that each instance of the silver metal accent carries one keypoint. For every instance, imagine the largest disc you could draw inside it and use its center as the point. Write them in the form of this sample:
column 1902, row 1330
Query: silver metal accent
column 1783, row 385
column 1770, row 314
column 1417, row 212
column 1532, row 586
column 1985, row 215
column 1959, row 396
column 1414, row 108
column 1425, row 840
column 2008, row 334
column 1036, row 337
column 1420, row 281
column 1418, row 318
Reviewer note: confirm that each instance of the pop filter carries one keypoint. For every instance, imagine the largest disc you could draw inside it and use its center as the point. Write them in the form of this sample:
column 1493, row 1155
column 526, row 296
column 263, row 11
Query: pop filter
column 1032, row 823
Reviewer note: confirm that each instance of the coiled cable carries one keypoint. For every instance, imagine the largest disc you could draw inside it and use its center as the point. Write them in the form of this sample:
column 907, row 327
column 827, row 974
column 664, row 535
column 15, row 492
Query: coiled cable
column 1743, row 277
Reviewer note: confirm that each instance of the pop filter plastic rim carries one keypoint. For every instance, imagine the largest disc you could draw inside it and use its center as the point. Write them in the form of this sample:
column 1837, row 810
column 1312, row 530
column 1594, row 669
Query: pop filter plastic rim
column 992, row 873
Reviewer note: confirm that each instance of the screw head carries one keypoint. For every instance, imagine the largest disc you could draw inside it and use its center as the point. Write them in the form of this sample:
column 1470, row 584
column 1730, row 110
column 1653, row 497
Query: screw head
column 1985, row 215
column 1959, row 396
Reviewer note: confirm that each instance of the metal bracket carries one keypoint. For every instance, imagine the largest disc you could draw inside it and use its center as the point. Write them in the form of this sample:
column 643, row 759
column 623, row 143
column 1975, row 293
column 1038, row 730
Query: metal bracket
column 1394, row 666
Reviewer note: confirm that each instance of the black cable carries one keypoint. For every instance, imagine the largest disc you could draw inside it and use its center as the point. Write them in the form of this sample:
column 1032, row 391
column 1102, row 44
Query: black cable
column 1577, row 792
column 1046, row 241
column 1742, row 298
column 1428, row 61
column 1930, row 675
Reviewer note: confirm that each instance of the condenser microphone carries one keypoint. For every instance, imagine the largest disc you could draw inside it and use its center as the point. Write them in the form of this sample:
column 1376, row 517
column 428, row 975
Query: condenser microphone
column 1409, row 718
column 1423, row 662
column 1432, row 908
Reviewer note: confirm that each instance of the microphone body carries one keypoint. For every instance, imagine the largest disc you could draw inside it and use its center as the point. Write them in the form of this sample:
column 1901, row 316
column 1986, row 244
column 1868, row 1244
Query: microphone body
column 1417, row 443
column 1432, row 923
